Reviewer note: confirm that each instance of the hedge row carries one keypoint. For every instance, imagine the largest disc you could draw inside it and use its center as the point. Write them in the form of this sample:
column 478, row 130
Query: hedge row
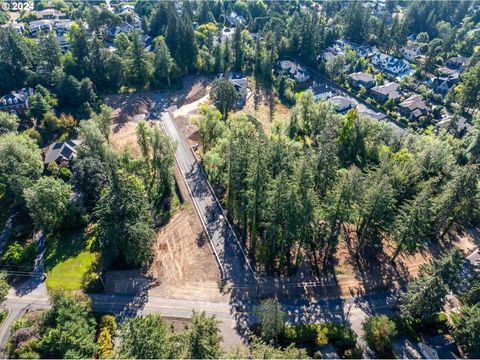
column 338, row 335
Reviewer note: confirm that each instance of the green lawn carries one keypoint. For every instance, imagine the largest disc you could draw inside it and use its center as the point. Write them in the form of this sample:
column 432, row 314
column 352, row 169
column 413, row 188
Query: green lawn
column 68, row 259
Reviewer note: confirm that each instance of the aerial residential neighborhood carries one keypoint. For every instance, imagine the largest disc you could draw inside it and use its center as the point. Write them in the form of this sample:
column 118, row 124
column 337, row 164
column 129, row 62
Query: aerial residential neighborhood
column 239, row 179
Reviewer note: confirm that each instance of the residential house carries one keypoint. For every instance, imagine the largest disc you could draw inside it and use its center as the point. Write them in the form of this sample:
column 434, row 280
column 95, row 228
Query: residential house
column 383, row 93
column 293, row 70
column 321, row 91
column 235, row 19
column 458, row 62
column 456, row 123
column 411, row 52
column 445, row 80
column 61, row 153
column 365, row 111
column 123, row 27
column 63, row 26
column 414, row 107
column 63, row 42
column 361, row 79
column 391, row 64
column 127, row 7
column 19, row 27
column 50, row 14
column 240, row 83
column 16, row 102
column 341, row 103
column 132, row 18
column 39, row 26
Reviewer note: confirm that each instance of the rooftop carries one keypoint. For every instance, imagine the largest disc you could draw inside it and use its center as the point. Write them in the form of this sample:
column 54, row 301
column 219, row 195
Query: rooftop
column 361, row 76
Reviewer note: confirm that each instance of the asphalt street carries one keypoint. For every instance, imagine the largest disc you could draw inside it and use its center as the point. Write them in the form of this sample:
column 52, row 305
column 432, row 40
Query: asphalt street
column 228, row 250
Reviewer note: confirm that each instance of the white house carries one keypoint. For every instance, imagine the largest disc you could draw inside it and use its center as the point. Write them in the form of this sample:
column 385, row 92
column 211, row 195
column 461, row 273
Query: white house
column 50, row 14
column 38, row 26
column 294, row 71
column 411, row 52
column 391, row 64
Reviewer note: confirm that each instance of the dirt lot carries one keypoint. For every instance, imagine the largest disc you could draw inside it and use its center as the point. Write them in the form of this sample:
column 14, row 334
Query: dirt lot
column 184, row 264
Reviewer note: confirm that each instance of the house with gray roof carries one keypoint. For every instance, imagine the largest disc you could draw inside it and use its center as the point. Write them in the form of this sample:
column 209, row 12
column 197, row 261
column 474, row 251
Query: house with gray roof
column 458, row 62
column 383, row 93
column 361, row 79
column 414, row 107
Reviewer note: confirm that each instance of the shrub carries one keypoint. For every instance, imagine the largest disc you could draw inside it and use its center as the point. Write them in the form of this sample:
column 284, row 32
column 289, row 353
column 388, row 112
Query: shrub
column 108, row 322
column 105, row 344
column 17, row 254
column 301, row 333
column 21, row 323
column 355, row 353
column 3, row 316
column 321, row 339
column 340, row 336
column 379, row 333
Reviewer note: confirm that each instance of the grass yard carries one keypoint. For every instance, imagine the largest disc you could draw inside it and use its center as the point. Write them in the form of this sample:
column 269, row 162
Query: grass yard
column 68, row 260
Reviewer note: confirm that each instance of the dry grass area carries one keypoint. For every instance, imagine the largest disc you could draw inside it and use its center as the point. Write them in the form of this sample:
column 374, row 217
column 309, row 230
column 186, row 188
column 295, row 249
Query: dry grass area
column 125, row 136
column 184, row 264
column 262, row 106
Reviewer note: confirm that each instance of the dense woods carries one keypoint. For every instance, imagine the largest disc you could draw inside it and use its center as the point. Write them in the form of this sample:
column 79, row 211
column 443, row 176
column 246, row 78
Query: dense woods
column 295, row 192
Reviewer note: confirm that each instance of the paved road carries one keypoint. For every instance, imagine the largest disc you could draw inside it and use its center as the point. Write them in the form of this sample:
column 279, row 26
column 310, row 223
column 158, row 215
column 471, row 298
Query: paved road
column 228, row 250
column 124, row 306
column 7, row 228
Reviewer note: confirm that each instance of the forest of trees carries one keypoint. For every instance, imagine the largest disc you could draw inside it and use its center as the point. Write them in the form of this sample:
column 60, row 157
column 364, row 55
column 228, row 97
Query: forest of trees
column 296, row 191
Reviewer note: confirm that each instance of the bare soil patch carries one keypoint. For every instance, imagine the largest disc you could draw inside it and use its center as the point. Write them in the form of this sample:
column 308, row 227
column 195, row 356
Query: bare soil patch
column 184, row 265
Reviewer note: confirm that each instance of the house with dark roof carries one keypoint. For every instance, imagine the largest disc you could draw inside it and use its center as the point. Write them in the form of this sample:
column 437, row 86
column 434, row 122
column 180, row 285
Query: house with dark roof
column 235, row 19
column 414, row 107
column 383, row 93
column 454, row 123
column 321, row 91
column 61, row 153
column 458, row 62
column 240, row 83
column 16, row 102
column 361, row 79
